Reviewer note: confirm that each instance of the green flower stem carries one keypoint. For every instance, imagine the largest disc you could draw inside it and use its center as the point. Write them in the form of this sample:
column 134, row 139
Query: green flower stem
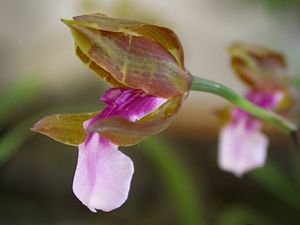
column 200, row 84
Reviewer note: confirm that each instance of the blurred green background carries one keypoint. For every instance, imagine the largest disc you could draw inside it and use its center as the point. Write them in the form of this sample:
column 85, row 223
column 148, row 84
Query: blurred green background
column 177, row 180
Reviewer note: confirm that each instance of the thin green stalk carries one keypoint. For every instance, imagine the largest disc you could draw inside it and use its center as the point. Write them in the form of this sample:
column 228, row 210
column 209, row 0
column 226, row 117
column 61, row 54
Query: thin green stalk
column 12, row 141
column 200, row 84
column 17, row 97
column 275, row 181
column 177, row 179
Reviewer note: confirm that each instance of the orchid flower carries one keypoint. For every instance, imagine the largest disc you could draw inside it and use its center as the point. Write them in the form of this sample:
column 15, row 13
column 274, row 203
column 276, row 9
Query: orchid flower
column 144, row 65
column 243, row 147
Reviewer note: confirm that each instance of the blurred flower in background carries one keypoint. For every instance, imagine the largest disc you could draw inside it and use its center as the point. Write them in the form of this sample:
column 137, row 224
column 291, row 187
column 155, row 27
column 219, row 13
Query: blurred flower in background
column 177, row 180
column 243, row 147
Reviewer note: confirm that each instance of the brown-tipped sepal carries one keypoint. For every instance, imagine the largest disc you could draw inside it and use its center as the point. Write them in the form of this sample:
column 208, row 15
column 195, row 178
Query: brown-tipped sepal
column 65, row 128
column 259, row 67
column 131, row 54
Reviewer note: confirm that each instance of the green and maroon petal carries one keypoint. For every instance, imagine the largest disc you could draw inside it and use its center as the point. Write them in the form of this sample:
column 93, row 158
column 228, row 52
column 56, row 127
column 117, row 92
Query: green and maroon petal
column 135, row 62
column 131, row 54
column 257, row 66
column 64, row 128
column 164, row 36
column 123, row 132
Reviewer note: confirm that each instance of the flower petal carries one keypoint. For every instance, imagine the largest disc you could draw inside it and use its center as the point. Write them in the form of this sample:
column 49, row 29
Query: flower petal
column 164, row 36
column 137, row 62
column 241, row 150
column 132, row 115
column 259, row 66
column 103, row 174
column 125, row 133
column 130, row 104
column 65, row 128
